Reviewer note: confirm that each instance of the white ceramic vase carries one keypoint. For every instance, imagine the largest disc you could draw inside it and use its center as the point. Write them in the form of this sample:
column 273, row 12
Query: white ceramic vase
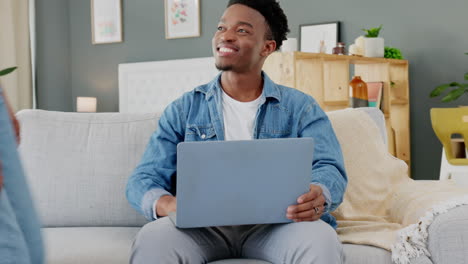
column 374, row 47
column 289, row 45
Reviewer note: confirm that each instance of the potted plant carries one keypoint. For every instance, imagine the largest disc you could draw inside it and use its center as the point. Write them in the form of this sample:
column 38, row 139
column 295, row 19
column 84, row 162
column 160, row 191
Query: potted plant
column 373, row 45
column 458, row 89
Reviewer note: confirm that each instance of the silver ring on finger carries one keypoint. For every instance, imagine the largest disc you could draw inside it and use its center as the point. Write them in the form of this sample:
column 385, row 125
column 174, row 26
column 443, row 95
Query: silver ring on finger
column 317, row 210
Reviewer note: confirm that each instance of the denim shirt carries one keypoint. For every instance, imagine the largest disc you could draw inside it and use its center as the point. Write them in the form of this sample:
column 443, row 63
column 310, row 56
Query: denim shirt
column 20, row 227
column 197, row 116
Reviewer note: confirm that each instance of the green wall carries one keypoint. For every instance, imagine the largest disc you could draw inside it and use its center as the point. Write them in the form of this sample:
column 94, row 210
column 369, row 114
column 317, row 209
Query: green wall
column 432, row 36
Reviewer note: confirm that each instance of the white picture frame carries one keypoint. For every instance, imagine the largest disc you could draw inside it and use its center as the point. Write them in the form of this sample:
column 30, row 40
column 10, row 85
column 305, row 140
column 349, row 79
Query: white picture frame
column 182, row 18
column 106, row 21
column 311, row 36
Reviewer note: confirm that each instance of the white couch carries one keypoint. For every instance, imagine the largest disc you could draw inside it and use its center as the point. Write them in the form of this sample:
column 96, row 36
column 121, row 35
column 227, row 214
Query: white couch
column 78, row 165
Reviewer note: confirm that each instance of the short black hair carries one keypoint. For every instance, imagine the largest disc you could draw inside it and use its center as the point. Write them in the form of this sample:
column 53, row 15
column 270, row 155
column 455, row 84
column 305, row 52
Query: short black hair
column 274, row 16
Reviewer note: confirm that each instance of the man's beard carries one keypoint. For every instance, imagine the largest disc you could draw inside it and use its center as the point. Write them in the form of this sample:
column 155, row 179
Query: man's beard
column 224, row 67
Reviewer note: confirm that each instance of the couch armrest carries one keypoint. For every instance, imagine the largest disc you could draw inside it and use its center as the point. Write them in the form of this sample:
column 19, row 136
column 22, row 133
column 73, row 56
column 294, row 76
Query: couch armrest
column 448, row 237
column 421, row 260
column 425, row 208
column 413, row 199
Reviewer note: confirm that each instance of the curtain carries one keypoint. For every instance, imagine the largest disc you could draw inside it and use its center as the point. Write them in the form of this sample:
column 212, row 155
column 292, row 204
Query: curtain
column 15, row 50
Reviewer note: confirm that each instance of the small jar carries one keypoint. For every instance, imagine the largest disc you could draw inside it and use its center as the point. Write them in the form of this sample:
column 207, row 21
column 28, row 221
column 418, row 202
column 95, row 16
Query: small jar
column 339, row 49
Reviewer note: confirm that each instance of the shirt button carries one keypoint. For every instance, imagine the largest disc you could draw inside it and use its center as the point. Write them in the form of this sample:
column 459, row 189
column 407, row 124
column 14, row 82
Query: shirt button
column 203, row 136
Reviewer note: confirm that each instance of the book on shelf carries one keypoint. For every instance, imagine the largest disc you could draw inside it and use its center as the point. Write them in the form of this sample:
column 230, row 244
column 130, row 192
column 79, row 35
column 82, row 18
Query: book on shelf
column 375, row 93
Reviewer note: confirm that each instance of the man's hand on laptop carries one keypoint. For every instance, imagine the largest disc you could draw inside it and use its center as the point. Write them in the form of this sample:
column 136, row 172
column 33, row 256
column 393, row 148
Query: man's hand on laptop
column 165, row 205
column 310, row 206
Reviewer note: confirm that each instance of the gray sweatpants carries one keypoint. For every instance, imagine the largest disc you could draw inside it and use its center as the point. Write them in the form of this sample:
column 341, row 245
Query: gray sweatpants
column 305, row 242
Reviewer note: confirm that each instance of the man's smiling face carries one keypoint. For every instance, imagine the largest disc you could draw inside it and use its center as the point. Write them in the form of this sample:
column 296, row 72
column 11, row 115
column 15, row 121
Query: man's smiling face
column 239, row 44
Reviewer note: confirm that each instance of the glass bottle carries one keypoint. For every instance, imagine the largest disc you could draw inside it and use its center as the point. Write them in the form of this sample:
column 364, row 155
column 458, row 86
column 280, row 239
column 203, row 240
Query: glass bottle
column 339, row 49
column 358, row 93
column 322, row 47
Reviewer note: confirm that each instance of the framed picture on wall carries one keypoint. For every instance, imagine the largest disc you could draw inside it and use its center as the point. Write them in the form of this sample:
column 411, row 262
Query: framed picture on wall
column 319, row 38
column 182, row 18
column 106, row 21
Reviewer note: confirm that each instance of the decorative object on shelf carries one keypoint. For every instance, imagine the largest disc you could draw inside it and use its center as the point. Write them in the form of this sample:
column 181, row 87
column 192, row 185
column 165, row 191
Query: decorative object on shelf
column 358, row 93
column 106, row 21
column 393, row 53
column 182, row 18
column 7, row 71
column 323, row 47
column 357, row 49
column 373, row 45
column 289, row 45
column 374, row 93
column 340, row 49
column 86, row 104
column 458, row 89
column 319, row 38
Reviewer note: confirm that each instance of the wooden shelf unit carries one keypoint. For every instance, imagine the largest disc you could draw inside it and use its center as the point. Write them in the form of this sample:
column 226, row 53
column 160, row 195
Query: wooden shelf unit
column 326, row 77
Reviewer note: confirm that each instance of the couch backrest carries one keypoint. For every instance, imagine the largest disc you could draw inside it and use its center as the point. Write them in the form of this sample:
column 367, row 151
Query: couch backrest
column 78, row 164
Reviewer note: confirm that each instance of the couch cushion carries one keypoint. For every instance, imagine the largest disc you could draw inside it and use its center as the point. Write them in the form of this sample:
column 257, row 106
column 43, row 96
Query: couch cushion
column 102, row 245
column 78, row 164
column 361, row 254
column 240, row 261
column 354, row 254
column 113, row 244
column 91, row 245
column 99, row 245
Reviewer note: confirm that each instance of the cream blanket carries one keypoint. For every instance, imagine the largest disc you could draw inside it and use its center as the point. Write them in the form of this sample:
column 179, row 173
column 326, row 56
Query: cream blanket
column 381, row 199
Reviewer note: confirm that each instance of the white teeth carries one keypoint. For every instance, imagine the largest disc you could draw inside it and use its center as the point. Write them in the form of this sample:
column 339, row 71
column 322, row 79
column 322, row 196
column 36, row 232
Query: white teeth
column 226, row 50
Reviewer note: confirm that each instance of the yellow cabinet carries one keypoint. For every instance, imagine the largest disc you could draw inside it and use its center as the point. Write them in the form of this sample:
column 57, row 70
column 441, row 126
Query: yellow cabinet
column 326, row 78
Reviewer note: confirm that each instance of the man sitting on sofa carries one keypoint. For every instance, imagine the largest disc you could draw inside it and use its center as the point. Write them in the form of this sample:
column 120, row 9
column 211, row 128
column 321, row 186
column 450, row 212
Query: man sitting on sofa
column 241, row 103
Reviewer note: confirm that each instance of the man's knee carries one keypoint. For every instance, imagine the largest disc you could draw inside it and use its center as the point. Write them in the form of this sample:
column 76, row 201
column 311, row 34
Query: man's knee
column 159, row 241
column 148, row 235
column 154, row 232
column 316, row 242
column 327, row 247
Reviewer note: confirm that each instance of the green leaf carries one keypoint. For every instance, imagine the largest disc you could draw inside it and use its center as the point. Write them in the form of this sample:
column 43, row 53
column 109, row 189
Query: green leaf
column 454, row 94
column 438, row 90
column 367, row 33
column 378, row 30
column 7, row 71
column 372, row 32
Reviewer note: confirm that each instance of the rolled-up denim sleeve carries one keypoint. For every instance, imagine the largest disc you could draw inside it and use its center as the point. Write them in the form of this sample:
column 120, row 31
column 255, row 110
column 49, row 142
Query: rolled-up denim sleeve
column 326, row 194
column 156, row 195
column 327, row 166
column 155, row 174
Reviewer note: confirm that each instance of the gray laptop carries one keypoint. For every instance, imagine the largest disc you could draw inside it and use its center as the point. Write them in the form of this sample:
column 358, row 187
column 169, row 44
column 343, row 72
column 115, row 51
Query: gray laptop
column 240, row 182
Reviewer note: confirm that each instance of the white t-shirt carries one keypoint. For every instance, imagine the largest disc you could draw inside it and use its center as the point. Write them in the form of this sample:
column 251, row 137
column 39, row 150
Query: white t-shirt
column 239, row 118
